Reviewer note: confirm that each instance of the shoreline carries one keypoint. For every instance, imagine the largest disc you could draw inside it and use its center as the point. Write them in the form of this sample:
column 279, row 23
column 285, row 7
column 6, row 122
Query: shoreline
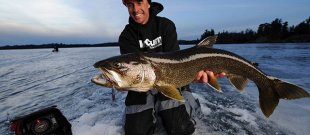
column 51, row 46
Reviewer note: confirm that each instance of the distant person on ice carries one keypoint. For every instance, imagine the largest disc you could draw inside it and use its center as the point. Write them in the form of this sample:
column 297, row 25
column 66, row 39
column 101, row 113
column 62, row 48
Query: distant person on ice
column 55, row 48
column 147, row 32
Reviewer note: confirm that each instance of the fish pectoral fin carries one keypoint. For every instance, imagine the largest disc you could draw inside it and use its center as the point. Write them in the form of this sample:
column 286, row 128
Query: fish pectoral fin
column 238, row 81
column 214, row 84
column 170, row 92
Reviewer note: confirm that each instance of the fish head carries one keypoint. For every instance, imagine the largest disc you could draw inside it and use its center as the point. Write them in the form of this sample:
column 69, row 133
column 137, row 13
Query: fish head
column 125, row 72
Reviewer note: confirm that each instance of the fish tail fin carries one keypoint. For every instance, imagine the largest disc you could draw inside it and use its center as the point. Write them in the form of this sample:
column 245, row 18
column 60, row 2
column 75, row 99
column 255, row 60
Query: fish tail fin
column 268, row 100
column 269, row 95
column 288, row 90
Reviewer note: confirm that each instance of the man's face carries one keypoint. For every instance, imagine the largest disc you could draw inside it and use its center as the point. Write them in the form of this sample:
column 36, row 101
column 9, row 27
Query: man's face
column 139, row 10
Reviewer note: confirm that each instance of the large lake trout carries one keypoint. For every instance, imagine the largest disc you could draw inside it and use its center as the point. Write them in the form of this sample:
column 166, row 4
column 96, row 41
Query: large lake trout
column 166, row 72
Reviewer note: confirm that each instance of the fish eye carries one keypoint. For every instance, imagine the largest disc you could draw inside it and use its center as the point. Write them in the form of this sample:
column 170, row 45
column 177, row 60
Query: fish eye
column 118, row 65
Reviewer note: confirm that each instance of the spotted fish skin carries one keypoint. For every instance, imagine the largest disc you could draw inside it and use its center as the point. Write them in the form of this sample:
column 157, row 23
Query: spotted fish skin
column 168, row 71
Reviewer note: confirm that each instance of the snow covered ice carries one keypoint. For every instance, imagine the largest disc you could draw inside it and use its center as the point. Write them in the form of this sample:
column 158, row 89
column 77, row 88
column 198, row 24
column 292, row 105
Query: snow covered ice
column 38, row 78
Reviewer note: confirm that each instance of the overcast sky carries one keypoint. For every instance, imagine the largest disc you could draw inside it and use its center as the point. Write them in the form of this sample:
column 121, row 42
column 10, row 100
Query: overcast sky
column 100, row 21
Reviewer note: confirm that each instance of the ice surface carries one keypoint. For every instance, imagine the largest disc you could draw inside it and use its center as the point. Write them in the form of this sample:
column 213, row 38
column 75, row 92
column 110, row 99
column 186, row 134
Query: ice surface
column 34, row 79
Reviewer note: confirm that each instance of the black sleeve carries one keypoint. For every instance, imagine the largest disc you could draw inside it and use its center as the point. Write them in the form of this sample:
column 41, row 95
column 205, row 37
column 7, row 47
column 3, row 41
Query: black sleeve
column 126, row 43
column 170, row 40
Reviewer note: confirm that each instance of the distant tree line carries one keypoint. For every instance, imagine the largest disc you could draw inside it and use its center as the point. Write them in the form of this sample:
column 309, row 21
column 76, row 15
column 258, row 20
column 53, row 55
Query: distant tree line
column 59, row 45
column 275, row 32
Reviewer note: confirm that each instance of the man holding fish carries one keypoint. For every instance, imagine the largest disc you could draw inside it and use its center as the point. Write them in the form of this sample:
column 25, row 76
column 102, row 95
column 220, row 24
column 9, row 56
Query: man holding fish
column 151, row 59
column 146, row 32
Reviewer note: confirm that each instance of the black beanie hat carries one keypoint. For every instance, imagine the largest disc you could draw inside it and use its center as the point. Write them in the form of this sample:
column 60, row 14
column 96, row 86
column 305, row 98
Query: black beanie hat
column 124, row 1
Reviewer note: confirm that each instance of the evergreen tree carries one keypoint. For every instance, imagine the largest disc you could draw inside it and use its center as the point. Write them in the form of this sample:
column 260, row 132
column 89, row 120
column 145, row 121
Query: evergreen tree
column 276, row 31
column 207, row 33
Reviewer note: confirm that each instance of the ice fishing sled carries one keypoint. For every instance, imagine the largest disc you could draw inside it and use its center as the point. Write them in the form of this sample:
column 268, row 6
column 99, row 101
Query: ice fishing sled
column 47, row 121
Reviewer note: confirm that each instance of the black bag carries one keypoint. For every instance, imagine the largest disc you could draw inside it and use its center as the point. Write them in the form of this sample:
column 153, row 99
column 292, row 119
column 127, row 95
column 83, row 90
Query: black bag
column 48, row 121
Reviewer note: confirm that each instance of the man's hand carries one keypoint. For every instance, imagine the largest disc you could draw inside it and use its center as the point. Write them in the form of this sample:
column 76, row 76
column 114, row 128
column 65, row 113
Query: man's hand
column 203, row 76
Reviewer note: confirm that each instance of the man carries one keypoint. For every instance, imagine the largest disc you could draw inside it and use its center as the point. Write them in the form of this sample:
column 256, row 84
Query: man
column 147, row 32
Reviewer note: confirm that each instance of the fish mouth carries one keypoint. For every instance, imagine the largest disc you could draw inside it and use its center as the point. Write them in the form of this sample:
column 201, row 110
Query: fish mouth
column 103, row 79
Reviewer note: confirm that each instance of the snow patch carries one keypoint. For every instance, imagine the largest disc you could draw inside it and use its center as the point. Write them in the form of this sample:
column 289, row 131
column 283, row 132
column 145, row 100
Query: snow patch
column 243, row 115
column 90, row 124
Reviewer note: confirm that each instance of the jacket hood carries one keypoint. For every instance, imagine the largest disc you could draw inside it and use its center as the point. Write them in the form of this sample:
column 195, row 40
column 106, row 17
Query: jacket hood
column 156, row 8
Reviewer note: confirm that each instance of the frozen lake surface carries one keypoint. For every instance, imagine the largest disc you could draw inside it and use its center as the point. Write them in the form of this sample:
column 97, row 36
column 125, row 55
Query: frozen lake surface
column 34, row 79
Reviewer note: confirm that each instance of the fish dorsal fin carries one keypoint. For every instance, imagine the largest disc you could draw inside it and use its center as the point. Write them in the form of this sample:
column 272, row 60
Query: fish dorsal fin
column 213, row 83
column 238, row 81
column 255, row 64
column 207, row 42
column 170, row 92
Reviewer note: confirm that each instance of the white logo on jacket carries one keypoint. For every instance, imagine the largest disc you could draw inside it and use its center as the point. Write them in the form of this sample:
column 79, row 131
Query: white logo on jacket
column 151, row 44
